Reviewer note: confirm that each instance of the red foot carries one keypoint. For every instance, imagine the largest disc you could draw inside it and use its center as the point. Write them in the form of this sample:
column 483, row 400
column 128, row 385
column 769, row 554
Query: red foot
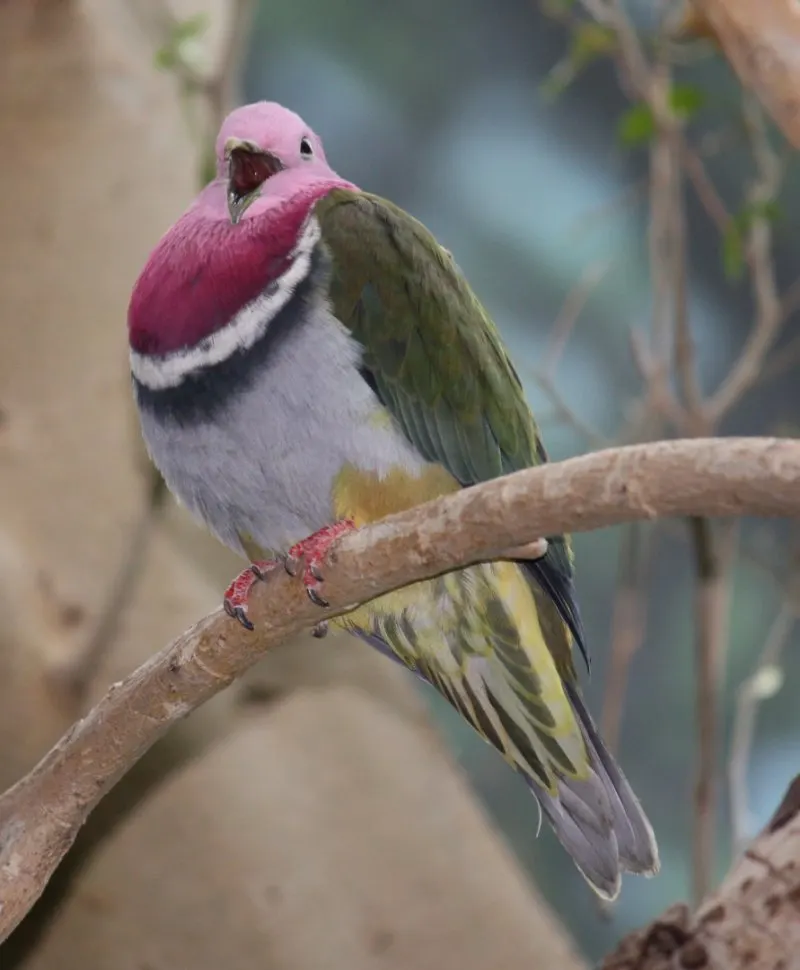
column 236, row 595
column 312, row 552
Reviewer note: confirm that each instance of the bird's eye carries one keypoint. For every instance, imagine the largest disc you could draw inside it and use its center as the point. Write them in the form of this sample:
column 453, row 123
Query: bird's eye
column 306, row 148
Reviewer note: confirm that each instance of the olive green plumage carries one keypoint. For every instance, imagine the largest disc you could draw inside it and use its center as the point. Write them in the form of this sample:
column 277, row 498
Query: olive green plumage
column 440, row 367
column 495, row 639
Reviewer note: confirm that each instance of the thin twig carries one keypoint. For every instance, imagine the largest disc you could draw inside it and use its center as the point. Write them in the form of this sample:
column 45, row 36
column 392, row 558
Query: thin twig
column 787, row 358
column 634, row 69
column 663, row 178
column 566, row 413
column 570, row 311
column 769, row 315
column 685, row 361
column 713, row 559
column 565, row 322
column 701, row 182
column 659, row 401
column 628, row 624
column 748, row 700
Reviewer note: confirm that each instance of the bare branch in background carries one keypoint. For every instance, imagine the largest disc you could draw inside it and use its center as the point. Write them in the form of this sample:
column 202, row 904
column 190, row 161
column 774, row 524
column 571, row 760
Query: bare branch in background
column 563, row 411
column 704, row 188
column 713, row 555
column 628, row 624
column 763, row 683
column 634, row 69
column 684, row 359
column 571, row 310
column 664, row 188
column 41, row 815
column 769, row 312
column 687, row 412
column 545, row 376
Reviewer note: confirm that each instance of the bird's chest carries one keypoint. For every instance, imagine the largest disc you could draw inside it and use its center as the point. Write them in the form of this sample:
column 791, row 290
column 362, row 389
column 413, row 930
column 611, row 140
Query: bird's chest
column 265, row 468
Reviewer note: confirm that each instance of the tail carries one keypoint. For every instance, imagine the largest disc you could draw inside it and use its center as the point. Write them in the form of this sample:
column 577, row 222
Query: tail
column 478, row 638
column 599, row 820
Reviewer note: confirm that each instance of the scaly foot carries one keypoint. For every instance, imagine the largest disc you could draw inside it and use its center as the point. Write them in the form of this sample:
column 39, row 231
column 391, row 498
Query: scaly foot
column 311, row 552
column 236, row 595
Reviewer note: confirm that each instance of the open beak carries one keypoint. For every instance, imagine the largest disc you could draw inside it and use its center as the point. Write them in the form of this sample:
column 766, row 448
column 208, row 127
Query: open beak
column 249, row 167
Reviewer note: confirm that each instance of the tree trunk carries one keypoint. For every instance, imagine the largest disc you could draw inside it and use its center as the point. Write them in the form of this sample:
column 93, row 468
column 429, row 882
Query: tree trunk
column 329, row 829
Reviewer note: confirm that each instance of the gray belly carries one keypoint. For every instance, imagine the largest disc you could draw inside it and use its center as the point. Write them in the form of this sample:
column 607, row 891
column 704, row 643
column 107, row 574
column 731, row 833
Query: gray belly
column 265, row 467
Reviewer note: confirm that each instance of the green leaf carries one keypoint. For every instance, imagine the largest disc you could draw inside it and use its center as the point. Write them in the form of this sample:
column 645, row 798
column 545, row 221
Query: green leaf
column 733, row 240
column 685, row 100
column 590, row 41
column 637, row 126
column 558, row 79
column 188, row 29
column 769, row 210
column 166, row 58
column 182, row 32
column 733, row 251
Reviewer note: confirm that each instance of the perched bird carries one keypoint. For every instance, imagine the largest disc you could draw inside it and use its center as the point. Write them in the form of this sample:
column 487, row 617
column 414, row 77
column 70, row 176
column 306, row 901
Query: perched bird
column 306, row 358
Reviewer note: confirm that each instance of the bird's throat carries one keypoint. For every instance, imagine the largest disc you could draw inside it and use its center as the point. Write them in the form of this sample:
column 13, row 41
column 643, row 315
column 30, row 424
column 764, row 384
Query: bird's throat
column 205, row 271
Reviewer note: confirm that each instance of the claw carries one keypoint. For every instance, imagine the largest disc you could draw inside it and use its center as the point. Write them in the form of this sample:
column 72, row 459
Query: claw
column 312, row 552
column 316, row 598
column 238, row 613
column 291, row 564
column 320, row 630
column 237, row 594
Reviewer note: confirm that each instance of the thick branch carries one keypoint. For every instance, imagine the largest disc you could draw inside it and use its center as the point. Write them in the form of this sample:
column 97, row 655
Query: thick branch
column 41, row 815
column 752, row 921
column 761, row 42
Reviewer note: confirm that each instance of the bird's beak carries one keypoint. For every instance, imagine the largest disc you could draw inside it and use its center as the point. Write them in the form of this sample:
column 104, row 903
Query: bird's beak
column 248, row 168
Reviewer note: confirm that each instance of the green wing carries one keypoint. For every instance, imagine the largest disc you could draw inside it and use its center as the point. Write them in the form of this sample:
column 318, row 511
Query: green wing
column 435, row 359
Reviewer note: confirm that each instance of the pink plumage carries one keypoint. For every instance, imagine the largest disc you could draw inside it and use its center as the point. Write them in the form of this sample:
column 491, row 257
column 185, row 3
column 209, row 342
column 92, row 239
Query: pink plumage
column 205, row 269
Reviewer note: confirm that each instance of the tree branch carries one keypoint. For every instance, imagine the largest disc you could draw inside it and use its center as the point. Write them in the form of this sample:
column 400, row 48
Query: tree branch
column 41, row 815
column 628, row 625
column 764, row 682
column 760, row 40
column 750, row 922
column 713, row 561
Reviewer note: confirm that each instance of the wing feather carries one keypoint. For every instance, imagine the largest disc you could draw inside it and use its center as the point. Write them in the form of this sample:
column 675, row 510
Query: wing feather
column 495, row 639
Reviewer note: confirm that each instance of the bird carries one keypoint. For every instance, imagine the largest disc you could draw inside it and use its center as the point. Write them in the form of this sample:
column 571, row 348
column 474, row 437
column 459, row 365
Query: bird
column 306, row 359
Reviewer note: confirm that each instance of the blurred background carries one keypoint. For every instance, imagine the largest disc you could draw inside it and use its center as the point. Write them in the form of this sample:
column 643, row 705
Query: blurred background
column 504, row 128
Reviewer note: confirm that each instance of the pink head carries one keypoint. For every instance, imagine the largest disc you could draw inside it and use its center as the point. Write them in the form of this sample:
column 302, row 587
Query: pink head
column 268, row 154
column 239, row 233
